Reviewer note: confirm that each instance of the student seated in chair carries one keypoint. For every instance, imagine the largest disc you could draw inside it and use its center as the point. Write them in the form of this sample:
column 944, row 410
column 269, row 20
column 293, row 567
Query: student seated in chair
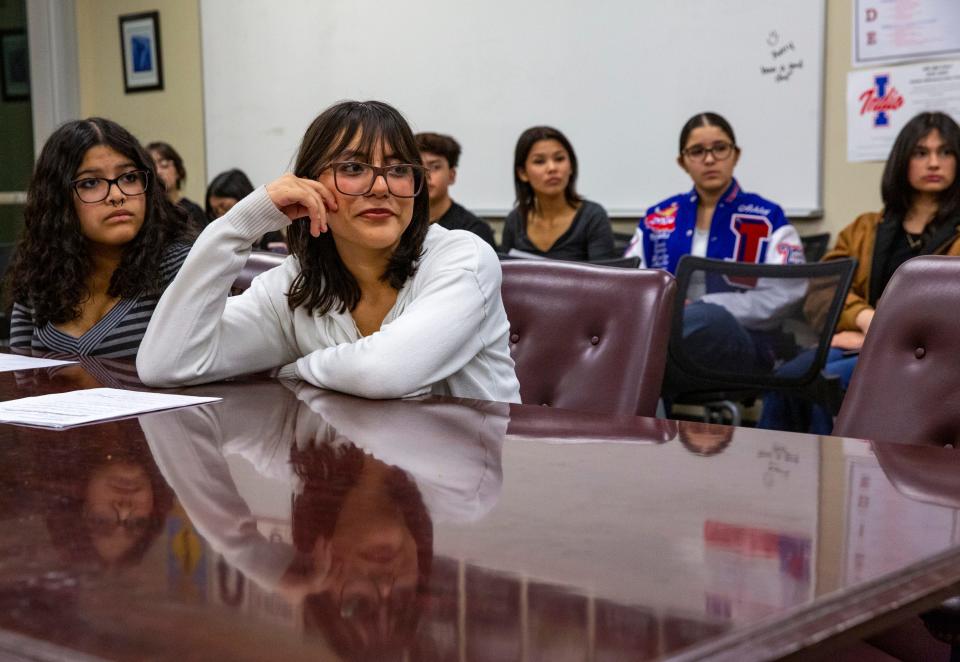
column 100, row 242
column 550, row 218
column 920, row 216
column 717, row 219
column 440, row 155
column 373, row 301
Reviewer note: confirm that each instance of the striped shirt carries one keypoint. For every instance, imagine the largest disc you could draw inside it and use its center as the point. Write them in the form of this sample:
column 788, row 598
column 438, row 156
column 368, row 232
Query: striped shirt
column 110, row 373
column 116, row 335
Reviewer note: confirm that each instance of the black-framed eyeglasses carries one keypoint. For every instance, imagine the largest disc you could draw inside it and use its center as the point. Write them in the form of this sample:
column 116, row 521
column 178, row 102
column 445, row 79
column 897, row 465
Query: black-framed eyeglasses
column 404, row 180
column 721, row 151
column 92, row 190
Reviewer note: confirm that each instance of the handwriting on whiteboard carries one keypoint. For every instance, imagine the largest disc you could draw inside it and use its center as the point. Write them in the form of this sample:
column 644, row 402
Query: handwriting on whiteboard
column 784, row 60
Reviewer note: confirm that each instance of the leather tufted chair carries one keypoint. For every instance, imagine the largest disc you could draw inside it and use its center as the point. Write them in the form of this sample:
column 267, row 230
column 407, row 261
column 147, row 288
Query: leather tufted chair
column 587, row 337
column 578, row 426
column 257, row 263
column 906, row 388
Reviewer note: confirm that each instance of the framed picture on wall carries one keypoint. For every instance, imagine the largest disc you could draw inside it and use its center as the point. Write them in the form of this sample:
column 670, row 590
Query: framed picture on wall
column 14, row 66
column 140, row 43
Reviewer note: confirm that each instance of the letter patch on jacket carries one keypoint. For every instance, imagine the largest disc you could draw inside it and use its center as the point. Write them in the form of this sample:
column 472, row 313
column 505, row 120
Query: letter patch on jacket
column 751, row 232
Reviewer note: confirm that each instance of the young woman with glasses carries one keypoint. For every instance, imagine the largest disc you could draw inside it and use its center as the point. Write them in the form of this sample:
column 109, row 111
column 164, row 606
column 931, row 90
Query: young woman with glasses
column 551, row 219
column 99, row 244
column 717, row 219
column 373, row 301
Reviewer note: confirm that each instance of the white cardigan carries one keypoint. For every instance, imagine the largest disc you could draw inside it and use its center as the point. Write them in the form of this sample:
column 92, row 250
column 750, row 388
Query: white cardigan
column 451, row 449
column 447, row 334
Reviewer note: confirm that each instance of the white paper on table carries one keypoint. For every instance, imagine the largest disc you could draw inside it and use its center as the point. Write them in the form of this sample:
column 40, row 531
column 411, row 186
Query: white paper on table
column 62, row 410
column 9, row 362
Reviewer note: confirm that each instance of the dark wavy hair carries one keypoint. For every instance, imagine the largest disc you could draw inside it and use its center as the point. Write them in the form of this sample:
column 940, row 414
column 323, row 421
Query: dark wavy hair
column 324, row 281
column 233, row 183
column 51, row 261
column 166, row 151
column 526, row 198
column 706, row 119
column 895, row 185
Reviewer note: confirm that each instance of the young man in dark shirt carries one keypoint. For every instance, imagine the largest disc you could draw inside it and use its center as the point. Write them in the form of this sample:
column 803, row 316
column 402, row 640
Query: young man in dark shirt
column 440, row 155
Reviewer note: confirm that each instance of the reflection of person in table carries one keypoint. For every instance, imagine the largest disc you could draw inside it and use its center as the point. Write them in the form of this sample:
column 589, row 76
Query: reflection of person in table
column 104, row 500
column 369, row 480
column 373, row 301
column 366, row 526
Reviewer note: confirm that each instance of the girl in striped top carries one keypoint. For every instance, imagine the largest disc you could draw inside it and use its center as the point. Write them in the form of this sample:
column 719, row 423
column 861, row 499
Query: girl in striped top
column 100, row 244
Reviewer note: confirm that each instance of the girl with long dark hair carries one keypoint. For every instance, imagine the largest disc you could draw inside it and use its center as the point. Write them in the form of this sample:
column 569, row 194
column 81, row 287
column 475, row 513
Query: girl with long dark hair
column 551, row 219
column 373, row 301
column 99, row 244
column 920, row 216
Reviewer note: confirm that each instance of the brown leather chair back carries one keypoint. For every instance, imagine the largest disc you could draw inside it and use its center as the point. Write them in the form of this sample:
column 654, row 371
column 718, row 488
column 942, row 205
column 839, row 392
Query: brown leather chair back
column 586, row 337
column 257, row 263
column 906, row 386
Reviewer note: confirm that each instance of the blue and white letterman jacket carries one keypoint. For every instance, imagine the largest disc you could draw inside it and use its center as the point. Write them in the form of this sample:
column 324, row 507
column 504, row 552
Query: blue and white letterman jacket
column 745, row 228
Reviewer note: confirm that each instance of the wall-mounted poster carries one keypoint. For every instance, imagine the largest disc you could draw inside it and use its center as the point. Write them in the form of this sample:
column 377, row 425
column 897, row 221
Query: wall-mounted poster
column 887, row 31
column 881, row 101
column 140, row 43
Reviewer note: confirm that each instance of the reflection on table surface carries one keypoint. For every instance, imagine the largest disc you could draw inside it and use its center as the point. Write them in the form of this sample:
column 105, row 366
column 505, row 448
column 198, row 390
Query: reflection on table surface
column 288, row 520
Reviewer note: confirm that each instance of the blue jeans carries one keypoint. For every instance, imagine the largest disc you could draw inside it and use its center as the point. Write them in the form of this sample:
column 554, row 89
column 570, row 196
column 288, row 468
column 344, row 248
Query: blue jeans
column 713, row 337
column 795, row 414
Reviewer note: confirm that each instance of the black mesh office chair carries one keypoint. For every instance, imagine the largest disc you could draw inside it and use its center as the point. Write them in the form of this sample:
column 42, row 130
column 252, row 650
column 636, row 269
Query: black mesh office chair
column 621, row 240
column 773, row 313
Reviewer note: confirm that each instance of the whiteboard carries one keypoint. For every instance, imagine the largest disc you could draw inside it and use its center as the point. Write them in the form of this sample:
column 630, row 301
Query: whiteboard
column 618, row 77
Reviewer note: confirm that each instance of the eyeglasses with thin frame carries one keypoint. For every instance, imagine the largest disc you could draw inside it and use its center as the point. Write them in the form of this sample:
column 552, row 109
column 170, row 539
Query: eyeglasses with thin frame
column 107, row 525
column 92, row 190
column 721, row 151
column 404, row 180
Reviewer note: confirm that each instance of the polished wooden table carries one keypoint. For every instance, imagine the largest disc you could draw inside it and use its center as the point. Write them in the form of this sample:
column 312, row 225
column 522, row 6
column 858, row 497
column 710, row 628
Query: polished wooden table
column 287, row 522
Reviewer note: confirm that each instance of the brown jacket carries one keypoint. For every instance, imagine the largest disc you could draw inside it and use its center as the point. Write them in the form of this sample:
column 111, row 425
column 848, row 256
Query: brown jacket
column 860, row 240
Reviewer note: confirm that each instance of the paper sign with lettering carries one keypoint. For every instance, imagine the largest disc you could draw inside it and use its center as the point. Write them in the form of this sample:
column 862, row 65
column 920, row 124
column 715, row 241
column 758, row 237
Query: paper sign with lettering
column 881, row 101
column 888, row 31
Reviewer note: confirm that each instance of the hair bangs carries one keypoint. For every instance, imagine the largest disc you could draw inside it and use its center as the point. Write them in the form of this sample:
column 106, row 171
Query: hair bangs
column 354, row 130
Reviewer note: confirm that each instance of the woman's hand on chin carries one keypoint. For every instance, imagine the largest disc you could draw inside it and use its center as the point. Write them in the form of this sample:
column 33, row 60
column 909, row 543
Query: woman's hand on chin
column 297, row 197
